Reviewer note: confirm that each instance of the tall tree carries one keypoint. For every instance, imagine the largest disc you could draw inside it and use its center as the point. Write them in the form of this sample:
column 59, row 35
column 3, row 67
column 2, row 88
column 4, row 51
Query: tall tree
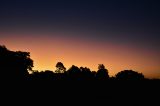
column 60, row 68
column 102, row 72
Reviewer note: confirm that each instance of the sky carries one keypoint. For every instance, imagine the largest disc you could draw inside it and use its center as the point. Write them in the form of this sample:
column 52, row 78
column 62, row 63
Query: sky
column 121, row 34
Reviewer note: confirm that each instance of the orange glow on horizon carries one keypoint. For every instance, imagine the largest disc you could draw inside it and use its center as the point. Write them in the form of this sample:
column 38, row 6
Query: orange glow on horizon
column 47, row 50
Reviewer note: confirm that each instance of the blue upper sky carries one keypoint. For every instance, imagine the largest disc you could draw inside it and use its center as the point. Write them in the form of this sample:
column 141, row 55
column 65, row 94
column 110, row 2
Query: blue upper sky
column 119, row 20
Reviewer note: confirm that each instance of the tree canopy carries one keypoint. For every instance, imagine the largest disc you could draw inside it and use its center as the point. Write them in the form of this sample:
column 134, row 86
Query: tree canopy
column 129, row 75
column 17, row 64
column 60, row 68
column 14, row 64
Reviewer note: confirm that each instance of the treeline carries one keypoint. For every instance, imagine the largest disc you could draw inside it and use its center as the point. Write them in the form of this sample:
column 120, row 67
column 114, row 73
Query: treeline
column 84, row 74
column 75, row 84
column 16, row 65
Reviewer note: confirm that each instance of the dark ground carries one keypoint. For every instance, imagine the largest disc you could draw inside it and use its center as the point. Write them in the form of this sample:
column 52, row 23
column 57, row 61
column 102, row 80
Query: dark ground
column 82, row 93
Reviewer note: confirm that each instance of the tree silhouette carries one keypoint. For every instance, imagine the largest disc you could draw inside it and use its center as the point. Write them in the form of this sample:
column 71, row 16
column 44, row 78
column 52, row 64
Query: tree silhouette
column 74, row 73
column 46, row 75
column 86, row 73
column 14, row 65
column 102, row 72
column 60, row 68
column 129, row 75
column 17, row 64
column 76, row 82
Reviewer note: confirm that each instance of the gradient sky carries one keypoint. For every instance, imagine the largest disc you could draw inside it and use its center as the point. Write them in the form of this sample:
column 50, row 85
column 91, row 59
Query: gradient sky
column 121, row 34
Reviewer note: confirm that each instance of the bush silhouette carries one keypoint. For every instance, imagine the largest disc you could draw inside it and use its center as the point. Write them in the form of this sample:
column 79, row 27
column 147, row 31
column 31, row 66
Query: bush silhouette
column 42, row 76
column 129, row 75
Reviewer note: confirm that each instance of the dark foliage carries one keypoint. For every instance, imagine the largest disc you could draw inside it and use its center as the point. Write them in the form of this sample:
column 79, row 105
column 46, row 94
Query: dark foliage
column 102, row 73
column 75, row 84
column 14, row 65
column 129, row 75
column 60, row 68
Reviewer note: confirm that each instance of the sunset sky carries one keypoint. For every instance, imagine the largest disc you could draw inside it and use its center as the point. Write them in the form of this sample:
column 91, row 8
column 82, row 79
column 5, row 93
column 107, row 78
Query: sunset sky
column 121, row 34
